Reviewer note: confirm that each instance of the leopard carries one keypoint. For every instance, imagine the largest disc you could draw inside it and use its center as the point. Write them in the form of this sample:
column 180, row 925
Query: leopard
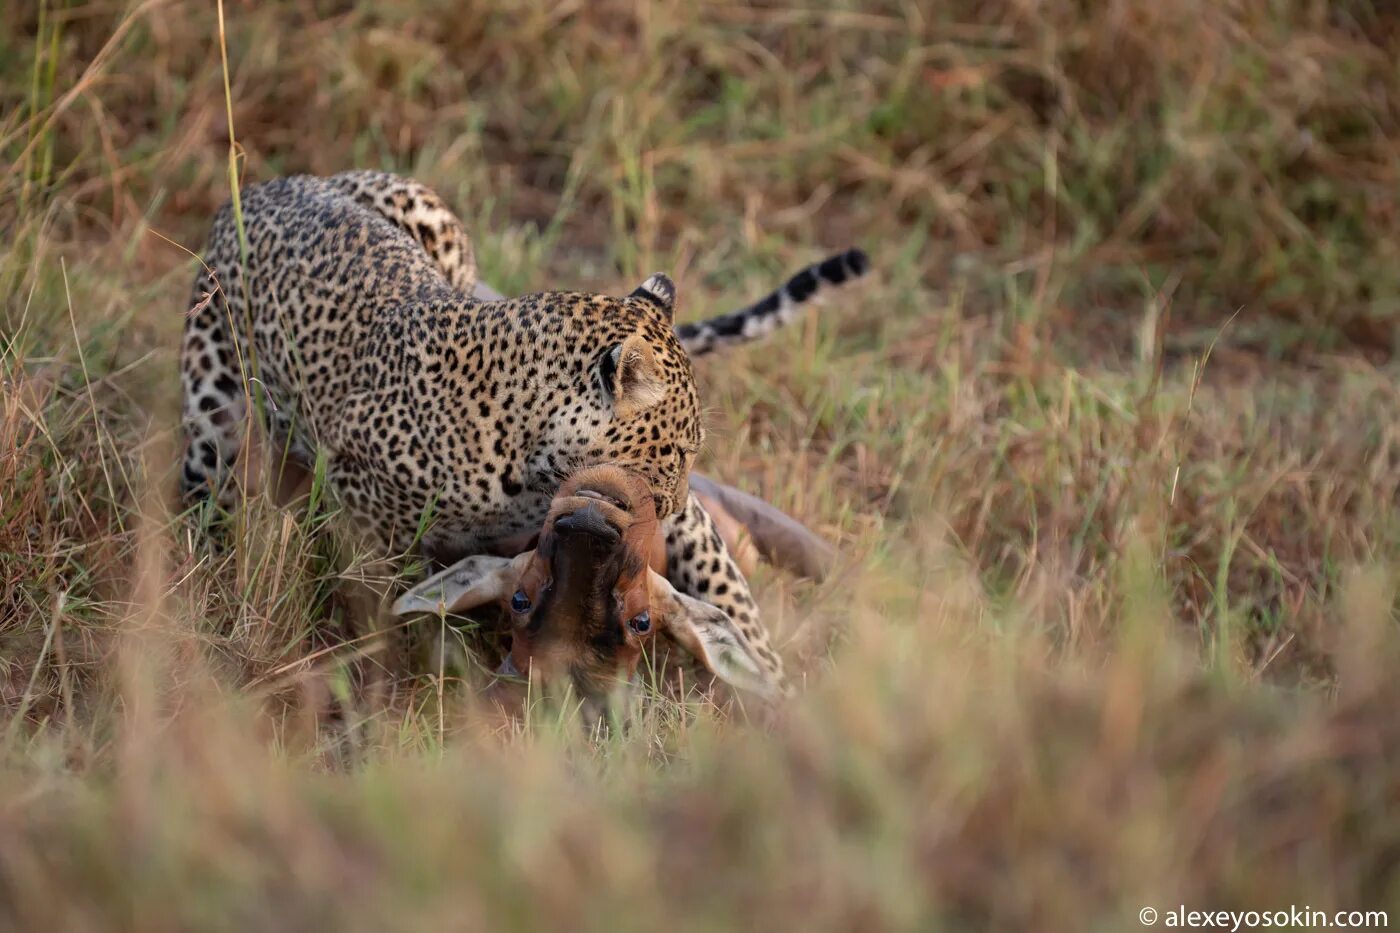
column 345, row 312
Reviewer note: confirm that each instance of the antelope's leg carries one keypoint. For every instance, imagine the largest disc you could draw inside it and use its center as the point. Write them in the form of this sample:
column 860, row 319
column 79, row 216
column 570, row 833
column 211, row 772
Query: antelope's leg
column 781, row 539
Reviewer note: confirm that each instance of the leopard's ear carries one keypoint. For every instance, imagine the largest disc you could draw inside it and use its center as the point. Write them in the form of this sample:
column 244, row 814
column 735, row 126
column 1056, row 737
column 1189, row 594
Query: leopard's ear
column 660, row 291
column 629, row 373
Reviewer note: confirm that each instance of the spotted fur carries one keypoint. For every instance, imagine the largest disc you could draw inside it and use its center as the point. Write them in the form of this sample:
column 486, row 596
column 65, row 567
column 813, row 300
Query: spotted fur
column 776, row 309
column 353, row 316
column 418, row 211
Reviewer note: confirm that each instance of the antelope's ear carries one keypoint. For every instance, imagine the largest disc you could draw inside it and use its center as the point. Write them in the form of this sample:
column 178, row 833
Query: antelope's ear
column 660, row 291
column 467, row 584
column 709, row 634
column 629, row 373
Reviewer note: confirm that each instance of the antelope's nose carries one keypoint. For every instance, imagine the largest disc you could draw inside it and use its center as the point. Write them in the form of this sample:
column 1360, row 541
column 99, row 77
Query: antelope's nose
column 588, row 521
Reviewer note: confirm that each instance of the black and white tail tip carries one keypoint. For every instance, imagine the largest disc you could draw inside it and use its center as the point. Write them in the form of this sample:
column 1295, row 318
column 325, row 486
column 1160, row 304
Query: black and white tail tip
column 778, row 308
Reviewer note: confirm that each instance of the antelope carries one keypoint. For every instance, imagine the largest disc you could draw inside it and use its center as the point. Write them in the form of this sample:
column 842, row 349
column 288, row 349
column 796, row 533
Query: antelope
column 584, row 602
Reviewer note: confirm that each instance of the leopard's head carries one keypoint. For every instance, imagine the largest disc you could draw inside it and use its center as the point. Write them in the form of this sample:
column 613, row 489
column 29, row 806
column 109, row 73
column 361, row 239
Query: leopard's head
column 640, row 409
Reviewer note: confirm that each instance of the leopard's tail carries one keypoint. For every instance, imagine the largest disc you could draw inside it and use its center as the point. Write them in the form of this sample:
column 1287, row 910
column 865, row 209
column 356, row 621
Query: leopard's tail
column 778, row 308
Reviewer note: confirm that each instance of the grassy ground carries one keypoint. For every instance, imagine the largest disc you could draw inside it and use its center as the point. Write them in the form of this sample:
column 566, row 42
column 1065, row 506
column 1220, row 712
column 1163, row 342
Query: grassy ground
column 1110, row 444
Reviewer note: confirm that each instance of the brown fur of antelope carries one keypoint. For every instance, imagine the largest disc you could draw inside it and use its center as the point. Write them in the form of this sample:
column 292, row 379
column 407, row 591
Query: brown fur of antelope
column 592, row 594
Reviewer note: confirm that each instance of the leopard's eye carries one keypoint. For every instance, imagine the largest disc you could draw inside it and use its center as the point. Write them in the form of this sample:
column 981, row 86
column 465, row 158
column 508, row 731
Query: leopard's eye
column 687, row 457
column 519, row 602
column 640, row 623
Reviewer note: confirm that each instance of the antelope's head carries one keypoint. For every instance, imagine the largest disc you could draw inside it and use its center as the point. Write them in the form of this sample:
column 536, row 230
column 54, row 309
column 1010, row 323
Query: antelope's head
column 586, row 601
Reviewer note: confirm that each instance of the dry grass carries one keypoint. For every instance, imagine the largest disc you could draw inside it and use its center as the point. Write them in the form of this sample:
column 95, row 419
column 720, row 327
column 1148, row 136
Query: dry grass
column 1110, row 444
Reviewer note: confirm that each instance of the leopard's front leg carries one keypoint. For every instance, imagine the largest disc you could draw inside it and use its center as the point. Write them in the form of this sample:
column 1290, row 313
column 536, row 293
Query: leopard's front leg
column 699, row 565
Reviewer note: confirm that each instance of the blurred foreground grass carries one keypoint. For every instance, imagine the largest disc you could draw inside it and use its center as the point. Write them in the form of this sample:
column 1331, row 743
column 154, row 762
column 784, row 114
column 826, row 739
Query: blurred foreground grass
column 1111, row 443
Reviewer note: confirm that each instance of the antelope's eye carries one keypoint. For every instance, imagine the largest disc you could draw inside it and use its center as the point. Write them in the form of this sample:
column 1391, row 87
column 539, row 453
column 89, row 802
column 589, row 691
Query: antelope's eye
column 520, row 602
column 641, row 622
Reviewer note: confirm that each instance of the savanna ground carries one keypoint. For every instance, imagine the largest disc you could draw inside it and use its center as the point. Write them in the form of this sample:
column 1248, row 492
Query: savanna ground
column 1111, row 445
